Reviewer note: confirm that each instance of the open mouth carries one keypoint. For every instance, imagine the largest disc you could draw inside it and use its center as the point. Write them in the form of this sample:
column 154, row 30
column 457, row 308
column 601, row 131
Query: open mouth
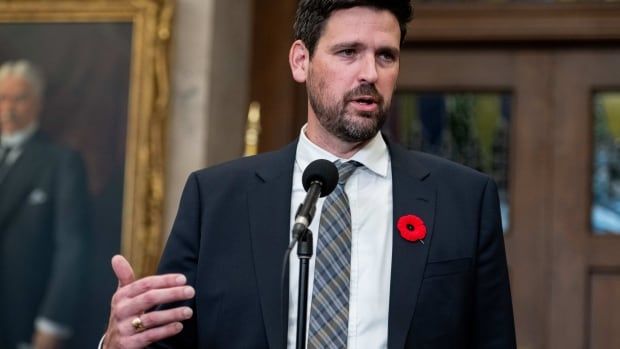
column 365, row 100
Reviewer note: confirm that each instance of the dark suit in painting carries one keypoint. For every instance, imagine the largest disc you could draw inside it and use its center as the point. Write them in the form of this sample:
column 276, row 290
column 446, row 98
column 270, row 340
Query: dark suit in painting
column 44, row 228
column 233, row 226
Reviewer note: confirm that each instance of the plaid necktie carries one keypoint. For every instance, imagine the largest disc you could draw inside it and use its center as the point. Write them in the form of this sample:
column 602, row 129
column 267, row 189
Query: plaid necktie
column 329, row 317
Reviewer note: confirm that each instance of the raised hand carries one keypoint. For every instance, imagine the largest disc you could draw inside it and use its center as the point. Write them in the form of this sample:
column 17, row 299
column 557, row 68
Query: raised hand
column 129, row 326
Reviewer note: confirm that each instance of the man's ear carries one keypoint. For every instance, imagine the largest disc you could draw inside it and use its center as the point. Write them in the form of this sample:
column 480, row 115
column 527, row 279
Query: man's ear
column 299, row 58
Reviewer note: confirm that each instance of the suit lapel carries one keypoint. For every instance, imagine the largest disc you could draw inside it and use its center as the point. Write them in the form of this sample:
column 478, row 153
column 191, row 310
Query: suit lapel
column 412, row 194
column 269, row 201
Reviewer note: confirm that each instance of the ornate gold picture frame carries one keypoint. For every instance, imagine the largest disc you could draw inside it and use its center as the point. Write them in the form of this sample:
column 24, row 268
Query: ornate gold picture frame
column 123, row 46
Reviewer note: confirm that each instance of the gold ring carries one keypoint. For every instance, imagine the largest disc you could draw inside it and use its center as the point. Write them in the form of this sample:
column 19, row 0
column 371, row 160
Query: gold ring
column 137, row 324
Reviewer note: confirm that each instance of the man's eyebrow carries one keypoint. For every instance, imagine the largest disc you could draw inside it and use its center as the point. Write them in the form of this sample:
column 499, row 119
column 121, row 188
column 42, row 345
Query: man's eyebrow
column 389, row 49
column 356, row 45
column 346, row 45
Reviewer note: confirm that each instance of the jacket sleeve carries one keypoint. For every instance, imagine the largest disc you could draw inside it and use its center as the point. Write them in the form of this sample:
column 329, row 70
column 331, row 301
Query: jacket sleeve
column 181, row 256
column 71, row 227
column 494, row 321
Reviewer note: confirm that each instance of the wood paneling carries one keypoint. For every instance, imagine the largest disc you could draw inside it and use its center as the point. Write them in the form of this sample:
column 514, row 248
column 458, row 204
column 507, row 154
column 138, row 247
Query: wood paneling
column 578, row 74
column 272, row 84
column 515, row 22
column 604, row 310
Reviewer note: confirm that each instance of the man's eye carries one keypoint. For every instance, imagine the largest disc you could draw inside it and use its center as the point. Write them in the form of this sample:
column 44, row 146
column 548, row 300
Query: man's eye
column 387, row 57
column 349, row 52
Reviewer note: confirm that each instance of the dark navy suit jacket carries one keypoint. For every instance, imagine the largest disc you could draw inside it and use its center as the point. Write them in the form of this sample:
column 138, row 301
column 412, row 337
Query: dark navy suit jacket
column 232, row 229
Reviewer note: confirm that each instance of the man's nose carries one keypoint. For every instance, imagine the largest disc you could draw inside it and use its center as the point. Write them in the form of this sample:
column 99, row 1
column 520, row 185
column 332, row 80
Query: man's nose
column 368, row 69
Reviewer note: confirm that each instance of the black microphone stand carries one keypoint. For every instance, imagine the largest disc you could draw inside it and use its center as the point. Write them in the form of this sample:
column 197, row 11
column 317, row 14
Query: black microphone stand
column 304, row 252
column 319, row 179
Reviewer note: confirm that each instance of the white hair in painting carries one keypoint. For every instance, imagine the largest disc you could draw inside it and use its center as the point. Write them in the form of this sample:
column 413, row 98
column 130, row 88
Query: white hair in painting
column 25, row 70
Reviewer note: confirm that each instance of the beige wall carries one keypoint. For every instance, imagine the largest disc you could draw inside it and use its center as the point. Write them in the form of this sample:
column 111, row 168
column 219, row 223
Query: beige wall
column 210, row 70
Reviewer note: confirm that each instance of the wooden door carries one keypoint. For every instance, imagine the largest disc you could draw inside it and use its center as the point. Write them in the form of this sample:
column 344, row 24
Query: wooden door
column 585, row 274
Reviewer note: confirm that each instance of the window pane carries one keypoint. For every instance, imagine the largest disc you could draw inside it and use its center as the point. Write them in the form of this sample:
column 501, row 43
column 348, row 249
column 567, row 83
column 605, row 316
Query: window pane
column 469, row 128
column 606, row 164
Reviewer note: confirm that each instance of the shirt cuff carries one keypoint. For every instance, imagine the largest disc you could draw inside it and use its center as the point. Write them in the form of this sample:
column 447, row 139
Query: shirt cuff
column 100, row 346
column 48, row 326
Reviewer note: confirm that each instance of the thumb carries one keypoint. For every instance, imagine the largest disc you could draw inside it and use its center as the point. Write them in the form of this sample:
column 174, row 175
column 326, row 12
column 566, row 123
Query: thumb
column 123, row 270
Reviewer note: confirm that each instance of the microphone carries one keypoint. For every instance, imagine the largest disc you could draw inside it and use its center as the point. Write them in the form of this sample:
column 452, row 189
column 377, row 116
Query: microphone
column 319, row 179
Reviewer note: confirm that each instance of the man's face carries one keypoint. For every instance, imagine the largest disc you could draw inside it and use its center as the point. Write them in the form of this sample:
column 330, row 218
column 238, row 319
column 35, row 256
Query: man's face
column 19, row 105
column 352, row 73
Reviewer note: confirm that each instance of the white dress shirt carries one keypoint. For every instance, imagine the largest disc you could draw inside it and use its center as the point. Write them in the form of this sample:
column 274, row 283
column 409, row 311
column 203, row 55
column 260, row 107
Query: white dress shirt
column 370, row 197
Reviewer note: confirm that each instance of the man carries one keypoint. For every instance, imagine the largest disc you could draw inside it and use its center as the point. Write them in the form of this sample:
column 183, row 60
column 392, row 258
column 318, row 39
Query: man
column 424, row 262
column 43, row 220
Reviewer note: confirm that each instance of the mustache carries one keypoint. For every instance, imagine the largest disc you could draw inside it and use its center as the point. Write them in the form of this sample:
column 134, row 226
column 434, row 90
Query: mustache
column 362, row 91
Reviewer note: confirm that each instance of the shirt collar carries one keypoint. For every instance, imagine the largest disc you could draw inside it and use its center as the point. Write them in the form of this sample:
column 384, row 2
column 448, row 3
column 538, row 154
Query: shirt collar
column 18, row 138
column 373, row 155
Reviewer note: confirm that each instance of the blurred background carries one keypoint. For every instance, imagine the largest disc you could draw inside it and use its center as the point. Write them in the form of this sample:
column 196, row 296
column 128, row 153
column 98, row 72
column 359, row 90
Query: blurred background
column 526, row 91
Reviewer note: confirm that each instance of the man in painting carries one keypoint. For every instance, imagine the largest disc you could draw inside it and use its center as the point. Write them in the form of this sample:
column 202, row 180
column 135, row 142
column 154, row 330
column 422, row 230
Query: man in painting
column 409, row 247
column 44, row 220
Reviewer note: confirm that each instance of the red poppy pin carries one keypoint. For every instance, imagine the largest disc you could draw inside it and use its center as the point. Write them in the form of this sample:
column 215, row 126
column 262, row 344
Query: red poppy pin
column 411, row 228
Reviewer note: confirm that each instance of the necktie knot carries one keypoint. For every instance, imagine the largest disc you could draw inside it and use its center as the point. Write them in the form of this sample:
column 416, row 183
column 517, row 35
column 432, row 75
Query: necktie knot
column 345, row 170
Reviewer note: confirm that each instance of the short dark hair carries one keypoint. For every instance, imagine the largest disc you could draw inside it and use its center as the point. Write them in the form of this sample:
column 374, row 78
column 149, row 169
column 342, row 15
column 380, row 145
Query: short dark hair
column 312, row 15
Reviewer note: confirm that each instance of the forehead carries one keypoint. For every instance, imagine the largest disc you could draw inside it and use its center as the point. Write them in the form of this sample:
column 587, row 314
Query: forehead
column 14, row 84
column 362, row 24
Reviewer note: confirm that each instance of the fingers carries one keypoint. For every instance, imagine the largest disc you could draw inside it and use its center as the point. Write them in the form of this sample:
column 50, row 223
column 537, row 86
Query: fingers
column 159, row 318
column 157, row 326
column 152, row 282
column 142, row 339
column 127, row 307
column 134, row 297
column 123, row 270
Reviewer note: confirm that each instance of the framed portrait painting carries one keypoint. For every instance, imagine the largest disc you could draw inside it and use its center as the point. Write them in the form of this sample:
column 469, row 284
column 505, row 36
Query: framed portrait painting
column 106, row 94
